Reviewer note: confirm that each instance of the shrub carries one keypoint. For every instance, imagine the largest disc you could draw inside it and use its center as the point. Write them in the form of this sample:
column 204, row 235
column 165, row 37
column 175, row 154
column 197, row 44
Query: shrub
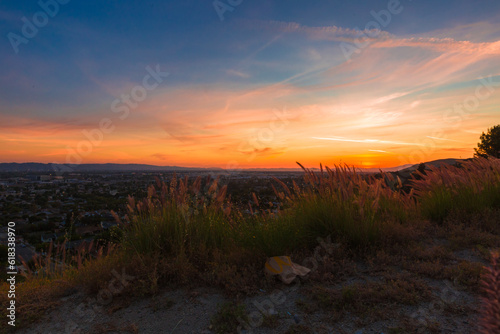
column 470, row 187
column 176, row 218
column 346, row 204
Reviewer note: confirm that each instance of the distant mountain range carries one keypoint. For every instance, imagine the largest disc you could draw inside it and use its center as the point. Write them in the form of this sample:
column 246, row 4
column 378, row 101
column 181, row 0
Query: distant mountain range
column 54, row 168
column 110, row 167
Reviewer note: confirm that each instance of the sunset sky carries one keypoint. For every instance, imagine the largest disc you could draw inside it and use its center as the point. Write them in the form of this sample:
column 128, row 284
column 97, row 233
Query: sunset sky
column 273, row 83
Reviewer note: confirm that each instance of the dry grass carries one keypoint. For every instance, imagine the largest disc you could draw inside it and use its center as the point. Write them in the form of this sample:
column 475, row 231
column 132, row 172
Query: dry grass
column 471, row 188
column 490, row 320
column 370, row 299
column 34, row 298
column 345, row 204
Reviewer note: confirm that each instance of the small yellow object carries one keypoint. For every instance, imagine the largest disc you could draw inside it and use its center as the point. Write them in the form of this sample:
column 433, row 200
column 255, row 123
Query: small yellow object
column 283, row 266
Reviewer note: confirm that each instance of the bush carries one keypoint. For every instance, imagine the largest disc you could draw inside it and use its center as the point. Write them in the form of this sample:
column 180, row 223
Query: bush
column 346, row 204
column 470, row 188
column 177, row 218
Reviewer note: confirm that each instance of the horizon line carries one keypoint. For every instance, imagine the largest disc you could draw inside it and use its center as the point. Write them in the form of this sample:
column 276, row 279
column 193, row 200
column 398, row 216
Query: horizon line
column 228, row 169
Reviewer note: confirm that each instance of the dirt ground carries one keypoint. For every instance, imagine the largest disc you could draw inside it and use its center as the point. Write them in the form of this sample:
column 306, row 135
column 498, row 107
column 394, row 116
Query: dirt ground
column 292, row 308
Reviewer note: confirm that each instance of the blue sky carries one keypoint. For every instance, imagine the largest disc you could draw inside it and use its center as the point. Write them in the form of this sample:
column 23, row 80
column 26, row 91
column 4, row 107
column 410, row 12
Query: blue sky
column 264, row 55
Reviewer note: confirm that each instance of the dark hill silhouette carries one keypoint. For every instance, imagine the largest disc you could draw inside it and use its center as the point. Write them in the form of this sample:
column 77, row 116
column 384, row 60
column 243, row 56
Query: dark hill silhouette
column 112, row 167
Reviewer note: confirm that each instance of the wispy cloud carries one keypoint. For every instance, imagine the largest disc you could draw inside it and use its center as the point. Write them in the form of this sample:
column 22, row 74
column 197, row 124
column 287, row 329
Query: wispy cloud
column 328, row 33
column 368, row 141
column 445, row 139
column 238, row 74
column 447, row 45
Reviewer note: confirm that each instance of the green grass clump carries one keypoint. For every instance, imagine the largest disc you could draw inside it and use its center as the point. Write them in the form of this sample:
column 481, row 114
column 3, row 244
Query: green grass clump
column 347, row 205
column 179, row 218
column 470, row 188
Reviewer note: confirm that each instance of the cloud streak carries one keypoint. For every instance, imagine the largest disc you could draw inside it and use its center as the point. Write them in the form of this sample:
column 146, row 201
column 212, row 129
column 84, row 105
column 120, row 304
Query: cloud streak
column 368, row 141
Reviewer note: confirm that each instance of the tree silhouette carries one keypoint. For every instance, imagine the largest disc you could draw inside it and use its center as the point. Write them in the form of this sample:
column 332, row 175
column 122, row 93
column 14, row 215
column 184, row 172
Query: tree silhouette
column 489, row 144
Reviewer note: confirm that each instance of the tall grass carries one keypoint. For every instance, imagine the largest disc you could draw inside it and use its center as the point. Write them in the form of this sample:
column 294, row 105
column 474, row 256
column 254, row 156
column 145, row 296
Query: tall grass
column 339, row 202
column 470, row 187
column 271, row 235
column 60, row 263
column 344, row 203
column 178, row 218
